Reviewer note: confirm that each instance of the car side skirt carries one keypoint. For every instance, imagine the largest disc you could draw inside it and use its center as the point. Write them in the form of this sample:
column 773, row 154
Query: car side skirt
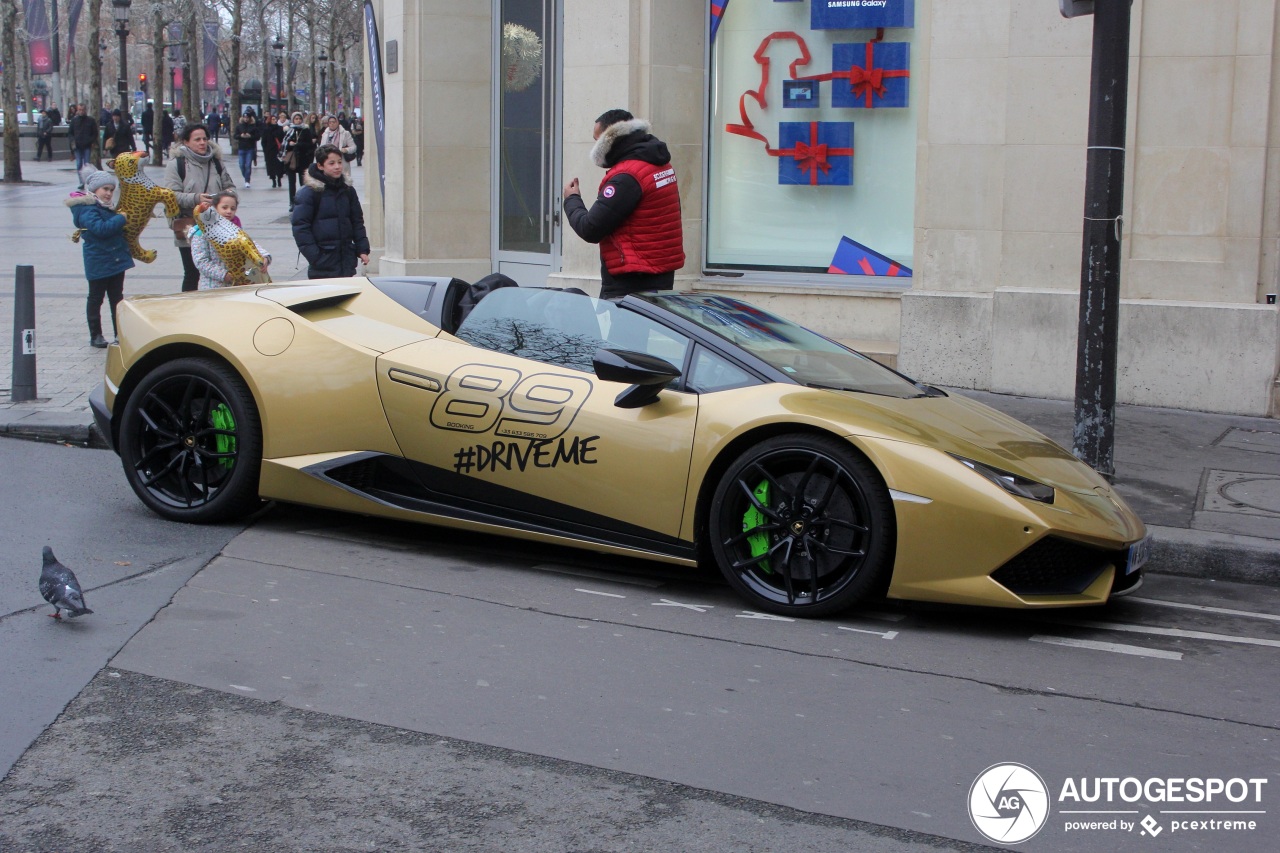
column 392, row 487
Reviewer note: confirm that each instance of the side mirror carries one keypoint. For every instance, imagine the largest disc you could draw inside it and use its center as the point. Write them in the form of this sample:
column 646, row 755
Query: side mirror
column 646, row 374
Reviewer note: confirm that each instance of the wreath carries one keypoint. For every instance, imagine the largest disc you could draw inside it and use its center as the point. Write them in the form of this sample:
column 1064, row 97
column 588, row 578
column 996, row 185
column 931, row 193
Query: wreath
column 521, row 57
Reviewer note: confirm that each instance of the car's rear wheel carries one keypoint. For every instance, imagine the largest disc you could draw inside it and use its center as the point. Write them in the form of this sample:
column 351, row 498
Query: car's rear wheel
column 191, row 442
column 801, row 525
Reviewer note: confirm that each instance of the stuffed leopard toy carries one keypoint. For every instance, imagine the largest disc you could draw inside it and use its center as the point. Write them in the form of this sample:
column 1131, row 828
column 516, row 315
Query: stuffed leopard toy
column 139, row 196
column 235, row 249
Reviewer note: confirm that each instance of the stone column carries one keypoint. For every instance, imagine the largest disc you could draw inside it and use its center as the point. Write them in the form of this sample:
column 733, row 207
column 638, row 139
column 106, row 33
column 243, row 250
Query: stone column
column 646, row 56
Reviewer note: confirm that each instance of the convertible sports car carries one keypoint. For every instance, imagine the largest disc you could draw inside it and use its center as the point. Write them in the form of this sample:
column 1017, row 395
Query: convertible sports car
column 672, row 426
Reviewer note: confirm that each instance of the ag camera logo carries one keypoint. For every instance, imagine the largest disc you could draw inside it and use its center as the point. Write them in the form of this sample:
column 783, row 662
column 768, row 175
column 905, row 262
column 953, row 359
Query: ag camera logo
column 1008, row 803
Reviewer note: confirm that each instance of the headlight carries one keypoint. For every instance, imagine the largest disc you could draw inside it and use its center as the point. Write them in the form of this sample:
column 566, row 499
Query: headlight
column 1011, row 483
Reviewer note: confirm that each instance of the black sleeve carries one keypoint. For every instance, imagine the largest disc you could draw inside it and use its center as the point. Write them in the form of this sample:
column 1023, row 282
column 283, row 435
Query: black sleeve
column 617, row 199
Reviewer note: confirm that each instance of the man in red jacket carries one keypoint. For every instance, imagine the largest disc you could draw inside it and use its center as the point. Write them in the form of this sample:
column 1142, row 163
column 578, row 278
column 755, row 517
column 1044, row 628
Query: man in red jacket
column 636, row 215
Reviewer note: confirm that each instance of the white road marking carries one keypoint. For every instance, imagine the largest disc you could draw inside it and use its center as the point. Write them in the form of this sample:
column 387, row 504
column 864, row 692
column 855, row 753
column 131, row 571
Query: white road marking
column 700, row 608
column 595, row 592
column 242, row 687
column 1118, row 648
column 888, row 635
column 750, row 614
column 1208, row 609
column 1171, row 632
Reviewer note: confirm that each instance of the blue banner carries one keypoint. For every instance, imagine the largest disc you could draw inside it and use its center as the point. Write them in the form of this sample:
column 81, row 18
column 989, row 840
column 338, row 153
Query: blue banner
column 379, row 104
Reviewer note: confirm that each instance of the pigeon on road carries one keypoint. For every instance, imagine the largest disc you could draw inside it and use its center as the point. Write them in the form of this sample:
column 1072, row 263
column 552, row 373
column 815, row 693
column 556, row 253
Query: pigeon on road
column 60, row 588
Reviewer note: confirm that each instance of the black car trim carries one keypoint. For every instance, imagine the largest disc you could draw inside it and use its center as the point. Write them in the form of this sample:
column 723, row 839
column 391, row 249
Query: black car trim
column 418, row 487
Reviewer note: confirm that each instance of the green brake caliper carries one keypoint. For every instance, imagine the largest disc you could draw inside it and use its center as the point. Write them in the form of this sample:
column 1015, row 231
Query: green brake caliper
column 753, row 518
column 223, row 419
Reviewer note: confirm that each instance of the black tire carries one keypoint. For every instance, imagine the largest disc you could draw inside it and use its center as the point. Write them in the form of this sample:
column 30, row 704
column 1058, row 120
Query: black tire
column 191, row 442
column 802, row 525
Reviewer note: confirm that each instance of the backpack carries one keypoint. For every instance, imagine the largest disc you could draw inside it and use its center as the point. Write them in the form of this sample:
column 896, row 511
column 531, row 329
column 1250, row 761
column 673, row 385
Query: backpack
column 182, row 167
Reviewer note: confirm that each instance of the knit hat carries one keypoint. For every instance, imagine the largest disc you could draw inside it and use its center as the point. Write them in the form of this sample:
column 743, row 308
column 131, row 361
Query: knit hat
column 95, row 178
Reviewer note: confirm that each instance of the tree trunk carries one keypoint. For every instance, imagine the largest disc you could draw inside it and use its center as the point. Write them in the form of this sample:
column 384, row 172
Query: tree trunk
column 12, row 165
column 93, row 106
column 158, row 38
column 233, row 76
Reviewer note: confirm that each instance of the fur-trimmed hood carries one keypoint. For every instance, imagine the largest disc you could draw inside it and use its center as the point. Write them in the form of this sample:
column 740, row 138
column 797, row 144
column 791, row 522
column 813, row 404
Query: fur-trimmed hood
column 78, row 198
column 317, row 180
column 629, row 140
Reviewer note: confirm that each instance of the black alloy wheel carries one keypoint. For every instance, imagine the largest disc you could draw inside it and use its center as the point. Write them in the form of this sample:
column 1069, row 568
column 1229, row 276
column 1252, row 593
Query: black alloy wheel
column 191, row 442
column 802, row 525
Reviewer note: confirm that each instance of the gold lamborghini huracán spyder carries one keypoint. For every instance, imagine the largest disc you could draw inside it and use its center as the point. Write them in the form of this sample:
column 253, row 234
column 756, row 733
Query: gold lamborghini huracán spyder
column 672, row 426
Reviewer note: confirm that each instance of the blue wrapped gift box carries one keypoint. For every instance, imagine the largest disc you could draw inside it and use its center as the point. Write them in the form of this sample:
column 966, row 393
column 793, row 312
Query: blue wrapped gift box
column 815, row 153
column 870, row 75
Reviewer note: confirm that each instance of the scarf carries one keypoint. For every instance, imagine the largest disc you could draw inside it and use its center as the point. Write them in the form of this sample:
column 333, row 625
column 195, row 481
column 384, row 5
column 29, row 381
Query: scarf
column 204, row 158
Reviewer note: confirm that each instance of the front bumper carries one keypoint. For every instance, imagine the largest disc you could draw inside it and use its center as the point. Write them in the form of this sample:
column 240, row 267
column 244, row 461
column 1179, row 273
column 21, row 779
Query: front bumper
column 101, row 416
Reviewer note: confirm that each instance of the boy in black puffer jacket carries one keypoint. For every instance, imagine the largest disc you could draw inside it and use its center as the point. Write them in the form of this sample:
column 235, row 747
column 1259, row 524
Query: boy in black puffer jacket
column 328, row 224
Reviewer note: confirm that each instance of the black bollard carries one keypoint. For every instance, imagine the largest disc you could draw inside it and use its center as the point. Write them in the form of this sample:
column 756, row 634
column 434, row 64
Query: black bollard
column 24, row 335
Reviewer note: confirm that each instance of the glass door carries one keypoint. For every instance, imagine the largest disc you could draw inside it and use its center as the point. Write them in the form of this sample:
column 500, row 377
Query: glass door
column 526, row 230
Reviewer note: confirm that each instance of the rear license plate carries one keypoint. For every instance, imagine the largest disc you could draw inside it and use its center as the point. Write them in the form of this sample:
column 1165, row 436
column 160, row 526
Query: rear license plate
column 1139, row 552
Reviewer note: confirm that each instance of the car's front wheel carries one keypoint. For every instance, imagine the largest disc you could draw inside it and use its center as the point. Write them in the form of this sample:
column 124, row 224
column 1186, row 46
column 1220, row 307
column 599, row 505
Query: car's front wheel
column 801, row 525
column 191, row 442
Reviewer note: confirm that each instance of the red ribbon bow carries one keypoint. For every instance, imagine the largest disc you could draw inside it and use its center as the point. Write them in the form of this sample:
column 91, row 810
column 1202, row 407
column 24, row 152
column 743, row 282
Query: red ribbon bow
column 811, row 158
column 869, row 81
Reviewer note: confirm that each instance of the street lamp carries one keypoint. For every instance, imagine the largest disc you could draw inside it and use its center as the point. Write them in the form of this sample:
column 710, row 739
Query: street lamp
column 322, row 59
column 120, row 12
column 277, row 51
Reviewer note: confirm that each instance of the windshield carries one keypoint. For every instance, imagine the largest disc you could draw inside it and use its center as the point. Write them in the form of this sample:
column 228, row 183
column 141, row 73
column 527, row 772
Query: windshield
column 805, row 356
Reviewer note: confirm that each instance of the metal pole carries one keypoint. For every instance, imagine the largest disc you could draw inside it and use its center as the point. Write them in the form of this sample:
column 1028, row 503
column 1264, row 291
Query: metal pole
column 122, row 30
column 24, row 335
column 1095, row 402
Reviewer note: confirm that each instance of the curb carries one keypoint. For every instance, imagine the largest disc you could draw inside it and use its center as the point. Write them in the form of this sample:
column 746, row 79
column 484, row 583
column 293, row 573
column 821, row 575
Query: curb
column 53, row 427
column 1216, row 556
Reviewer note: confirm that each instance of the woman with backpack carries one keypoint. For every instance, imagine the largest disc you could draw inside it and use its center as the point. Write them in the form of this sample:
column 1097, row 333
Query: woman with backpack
column 195, row 172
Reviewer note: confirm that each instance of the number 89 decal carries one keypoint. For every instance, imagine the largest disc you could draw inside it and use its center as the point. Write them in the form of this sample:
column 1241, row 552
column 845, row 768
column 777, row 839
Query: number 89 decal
column 482, row 397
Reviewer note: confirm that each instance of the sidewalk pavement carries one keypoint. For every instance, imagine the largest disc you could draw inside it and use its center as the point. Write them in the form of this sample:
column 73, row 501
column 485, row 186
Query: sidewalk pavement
column 1207, row 485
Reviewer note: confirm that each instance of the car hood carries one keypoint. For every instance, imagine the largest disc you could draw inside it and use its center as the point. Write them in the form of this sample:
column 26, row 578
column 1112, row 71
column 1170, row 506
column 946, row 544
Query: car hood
column 960, row 426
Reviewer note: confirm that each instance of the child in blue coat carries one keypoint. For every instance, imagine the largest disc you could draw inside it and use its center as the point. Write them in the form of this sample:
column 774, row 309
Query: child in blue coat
column 106, row 256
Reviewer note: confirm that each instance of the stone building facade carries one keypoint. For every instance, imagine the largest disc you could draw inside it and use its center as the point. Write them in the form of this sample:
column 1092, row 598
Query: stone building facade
column 974, row 183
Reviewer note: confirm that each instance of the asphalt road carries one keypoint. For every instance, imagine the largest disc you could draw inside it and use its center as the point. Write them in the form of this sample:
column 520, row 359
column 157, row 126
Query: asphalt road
column 129, row 562
column 333, row 683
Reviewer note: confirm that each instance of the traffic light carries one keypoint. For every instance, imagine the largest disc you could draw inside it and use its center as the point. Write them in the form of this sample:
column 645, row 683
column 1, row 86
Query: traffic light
column 142, row 83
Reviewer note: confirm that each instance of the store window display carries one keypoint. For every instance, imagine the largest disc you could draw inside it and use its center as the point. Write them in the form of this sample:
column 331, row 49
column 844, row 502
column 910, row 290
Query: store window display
column 812, row 140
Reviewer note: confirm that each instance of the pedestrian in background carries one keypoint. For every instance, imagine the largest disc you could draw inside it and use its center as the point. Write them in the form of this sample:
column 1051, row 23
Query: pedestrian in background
column 196, row 174
column 246, row 145
column 337, row 136
column 296, row 153
column 357, row 133
column 84, row 131
column 44, row 135
column 316, row 125
column 121, row 134
column 213, row 121
column 636, row 216
column 272, row 136
column 328, row 224
column 166, row 133
column 100, row 230
column 148, row 120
